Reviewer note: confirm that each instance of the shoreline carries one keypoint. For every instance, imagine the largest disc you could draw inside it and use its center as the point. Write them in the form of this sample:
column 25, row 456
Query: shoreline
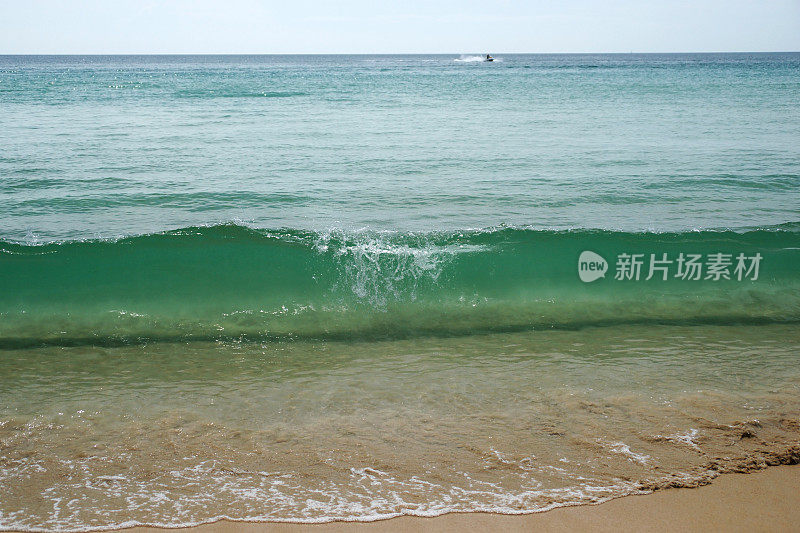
column 763, row 500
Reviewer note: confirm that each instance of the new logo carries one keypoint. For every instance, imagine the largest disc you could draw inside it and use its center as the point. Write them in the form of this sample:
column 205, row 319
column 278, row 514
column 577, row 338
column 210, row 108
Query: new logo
column 591, row 266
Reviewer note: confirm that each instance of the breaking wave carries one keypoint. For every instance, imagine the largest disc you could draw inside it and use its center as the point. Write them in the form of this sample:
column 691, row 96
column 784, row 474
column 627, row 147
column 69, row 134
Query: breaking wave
column 230, row 281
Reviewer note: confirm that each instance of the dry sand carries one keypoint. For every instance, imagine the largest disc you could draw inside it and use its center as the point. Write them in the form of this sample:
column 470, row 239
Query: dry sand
column 768, row 500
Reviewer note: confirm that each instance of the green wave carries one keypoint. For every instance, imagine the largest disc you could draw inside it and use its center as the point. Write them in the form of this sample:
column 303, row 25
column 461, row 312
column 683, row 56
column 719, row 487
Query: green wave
column 234, row 282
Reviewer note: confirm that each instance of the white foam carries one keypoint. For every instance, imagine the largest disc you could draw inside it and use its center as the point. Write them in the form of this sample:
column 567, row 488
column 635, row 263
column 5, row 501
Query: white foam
column 474, row 59
column 621, row 448
column 687, row 438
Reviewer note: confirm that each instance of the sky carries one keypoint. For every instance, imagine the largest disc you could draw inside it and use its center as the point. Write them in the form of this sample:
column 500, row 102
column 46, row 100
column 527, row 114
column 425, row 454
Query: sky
column 411, row 26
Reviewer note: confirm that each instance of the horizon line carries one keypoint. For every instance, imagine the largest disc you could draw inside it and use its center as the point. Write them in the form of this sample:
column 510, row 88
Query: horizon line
column 381, row 53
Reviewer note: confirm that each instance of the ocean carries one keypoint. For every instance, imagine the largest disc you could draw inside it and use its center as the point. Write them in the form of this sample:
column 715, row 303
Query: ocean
column 315, row 288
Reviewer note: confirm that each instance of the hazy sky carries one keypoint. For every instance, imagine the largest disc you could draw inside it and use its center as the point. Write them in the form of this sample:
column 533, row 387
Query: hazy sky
column 363, row 26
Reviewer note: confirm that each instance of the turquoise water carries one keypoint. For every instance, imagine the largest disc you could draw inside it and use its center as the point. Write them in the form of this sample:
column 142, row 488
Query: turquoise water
column 230, row 282
column 111, row 146
column 311, row 288
column 384, row 183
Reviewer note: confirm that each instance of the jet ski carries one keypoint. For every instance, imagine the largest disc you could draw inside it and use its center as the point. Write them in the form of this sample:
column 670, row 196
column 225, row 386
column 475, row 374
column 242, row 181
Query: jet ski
column 488, row 58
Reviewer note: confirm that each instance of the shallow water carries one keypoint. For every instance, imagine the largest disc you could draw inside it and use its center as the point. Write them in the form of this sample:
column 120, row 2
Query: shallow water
column 187, row 432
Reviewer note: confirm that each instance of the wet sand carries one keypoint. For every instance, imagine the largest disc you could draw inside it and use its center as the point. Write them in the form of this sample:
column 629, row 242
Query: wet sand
column 767, row 500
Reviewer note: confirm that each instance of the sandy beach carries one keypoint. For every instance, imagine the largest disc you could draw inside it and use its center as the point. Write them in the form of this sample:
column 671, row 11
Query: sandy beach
column 767, row 500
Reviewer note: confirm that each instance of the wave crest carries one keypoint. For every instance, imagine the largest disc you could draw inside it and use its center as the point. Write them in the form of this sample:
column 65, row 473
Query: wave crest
column 232, row 281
